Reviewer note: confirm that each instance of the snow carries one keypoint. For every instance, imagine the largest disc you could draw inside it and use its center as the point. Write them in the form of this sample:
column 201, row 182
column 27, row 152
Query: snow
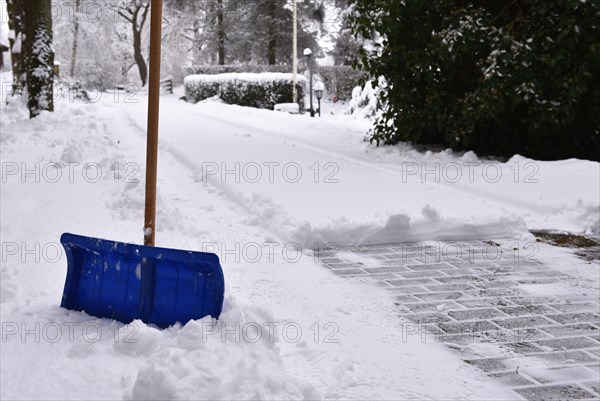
column 290, row 329
column 291, row 108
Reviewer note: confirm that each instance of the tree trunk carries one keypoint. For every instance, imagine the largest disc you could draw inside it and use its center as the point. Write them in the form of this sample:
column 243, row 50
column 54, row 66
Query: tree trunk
column 75, row 39
column 137, row 42
column 220, row 32
column 39, row 56
column 272, row 34
column 16, row 23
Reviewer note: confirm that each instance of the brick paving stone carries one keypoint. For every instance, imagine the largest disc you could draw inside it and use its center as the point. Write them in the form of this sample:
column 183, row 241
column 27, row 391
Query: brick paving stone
column 576, row 318
column 385, row 269
column 563, row 374
column 470, row 264
column 411, row 282
column 521, row 347
column 449, row 287
column 458, row 279
column 345, row 265
column 431, row 266
column 567, row 357
column 489, row 364
column 535, row 300
column 540, row 280
column 407, row 299
column 493, row 292
column 524, row 322
column 432, row 306
column 399, row 263
column 525, row 310
column 512, row 379
column 576, row 307
column 348, row 272
column 493, row 284
column 468, row 327
column 475, row 314
column 500, row 269
column 530, row 334
column 416, row 291
column 404, row 258
column 459, row 339
column 484, row 302
column 440, row 296
column 373, row 277
column 557, row 392
column 563, row 344
column 370, row 250
column 571, row 330
column 425, row 273
column 463, row 272
column 426, row 317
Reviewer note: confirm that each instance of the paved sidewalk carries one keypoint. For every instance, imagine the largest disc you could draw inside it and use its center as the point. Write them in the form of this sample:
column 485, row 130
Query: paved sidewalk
column 528, row 326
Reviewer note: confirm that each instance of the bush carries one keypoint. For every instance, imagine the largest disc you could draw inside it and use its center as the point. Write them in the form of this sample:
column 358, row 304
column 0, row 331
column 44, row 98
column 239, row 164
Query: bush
column 496, row 77
column 261, row 91
column 365, row 101
column 227, row 69
column 340, row 80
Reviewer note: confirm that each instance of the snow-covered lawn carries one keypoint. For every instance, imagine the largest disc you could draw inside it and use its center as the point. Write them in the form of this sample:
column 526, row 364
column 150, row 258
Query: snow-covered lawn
column 254, row 186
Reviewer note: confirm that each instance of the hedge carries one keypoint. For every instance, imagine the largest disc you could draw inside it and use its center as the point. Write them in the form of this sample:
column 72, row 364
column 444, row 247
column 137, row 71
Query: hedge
column 340, row 80
column 261, row 91
column 230, row 68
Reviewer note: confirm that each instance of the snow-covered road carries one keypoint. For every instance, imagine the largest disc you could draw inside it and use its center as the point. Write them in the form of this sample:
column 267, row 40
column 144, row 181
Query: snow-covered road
column 316, row 180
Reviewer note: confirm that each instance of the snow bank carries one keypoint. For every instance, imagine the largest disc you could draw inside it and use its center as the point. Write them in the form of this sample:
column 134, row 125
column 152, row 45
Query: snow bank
column 404, row 228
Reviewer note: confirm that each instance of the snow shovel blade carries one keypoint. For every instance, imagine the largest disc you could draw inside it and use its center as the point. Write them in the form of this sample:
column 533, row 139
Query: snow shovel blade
column 159, row 286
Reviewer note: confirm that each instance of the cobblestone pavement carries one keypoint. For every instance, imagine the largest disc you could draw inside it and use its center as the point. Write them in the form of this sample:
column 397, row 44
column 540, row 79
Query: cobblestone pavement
column 532, row 328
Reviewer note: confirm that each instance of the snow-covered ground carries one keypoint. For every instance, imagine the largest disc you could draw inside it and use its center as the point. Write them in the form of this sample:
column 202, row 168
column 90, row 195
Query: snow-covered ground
column 250, row 185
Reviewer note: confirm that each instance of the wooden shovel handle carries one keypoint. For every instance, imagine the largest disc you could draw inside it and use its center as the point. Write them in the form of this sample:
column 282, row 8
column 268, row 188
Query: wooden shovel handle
column 153, row 110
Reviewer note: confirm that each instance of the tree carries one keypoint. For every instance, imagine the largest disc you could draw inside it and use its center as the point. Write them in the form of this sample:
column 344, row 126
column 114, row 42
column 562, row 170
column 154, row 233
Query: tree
column 39, row 56
column 495, row 77
column 252, row 32
column 75, row 39
column 135, row 13
column 16, row 24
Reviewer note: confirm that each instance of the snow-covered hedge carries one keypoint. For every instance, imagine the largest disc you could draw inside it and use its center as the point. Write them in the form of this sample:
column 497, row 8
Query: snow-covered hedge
column 261, row 91
column 230, row 68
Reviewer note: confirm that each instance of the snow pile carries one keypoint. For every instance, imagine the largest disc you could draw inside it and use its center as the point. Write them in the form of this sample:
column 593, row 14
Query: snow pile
column 290, row 108
column 404, row 228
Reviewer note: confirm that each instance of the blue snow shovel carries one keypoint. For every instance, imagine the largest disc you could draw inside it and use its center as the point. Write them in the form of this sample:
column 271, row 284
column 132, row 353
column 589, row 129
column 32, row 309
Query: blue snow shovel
column 125, row 282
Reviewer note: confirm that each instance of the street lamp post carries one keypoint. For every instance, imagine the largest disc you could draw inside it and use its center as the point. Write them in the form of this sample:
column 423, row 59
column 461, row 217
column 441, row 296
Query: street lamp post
column 319, row 91
column 295, row 50
column 308, row 55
